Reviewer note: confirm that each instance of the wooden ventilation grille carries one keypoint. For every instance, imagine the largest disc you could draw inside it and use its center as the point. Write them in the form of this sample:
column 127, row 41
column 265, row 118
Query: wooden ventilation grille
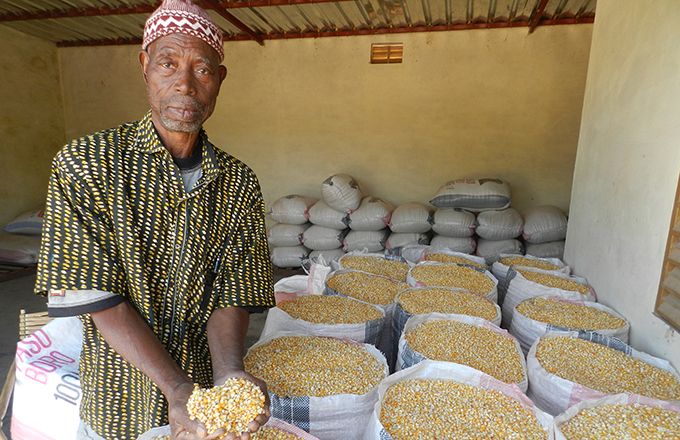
column 387, row 53
column 668, row 298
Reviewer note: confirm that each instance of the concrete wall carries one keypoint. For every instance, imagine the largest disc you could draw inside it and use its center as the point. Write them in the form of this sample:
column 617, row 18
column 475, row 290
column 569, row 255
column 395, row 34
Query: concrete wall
column 31, row 120
column 473, row 103
column 627, row 163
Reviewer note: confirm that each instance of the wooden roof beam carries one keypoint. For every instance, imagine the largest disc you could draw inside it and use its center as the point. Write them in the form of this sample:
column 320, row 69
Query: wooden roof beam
column 215, row 4
column 538, row 14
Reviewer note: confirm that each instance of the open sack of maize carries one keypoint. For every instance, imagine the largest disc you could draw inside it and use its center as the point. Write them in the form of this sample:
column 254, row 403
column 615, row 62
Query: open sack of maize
column 619, row 416
column 500, row 267
column 443, row 400
column 451, row 275
column 536, row 316
column 373, row 289
column 274, row 429
column 527, row 282
column 47, row 385
column 425, row 300
column 449, row 256
column 566, row 368
column 465, row 340
column 323, row 315
column 375, row 263
column 325, row 386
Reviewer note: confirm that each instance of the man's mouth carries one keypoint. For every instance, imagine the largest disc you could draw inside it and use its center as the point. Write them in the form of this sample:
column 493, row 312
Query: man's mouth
column 183, row 113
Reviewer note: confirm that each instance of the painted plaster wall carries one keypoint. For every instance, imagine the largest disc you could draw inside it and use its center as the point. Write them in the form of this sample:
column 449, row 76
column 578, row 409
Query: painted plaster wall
column 31, row 120
column 475, row 103
column 628, row 162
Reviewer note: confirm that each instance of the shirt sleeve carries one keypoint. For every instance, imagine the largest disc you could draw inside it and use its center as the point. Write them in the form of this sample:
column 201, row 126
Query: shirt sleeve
column 77, row 268
column 244, row 277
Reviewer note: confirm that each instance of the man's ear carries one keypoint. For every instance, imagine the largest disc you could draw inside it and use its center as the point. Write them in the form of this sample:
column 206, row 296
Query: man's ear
column 222, row 72
column 143, row 62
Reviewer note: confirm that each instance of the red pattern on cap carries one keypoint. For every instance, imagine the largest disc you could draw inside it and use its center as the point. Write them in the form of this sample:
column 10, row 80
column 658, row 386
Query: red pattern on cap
column 183, row 17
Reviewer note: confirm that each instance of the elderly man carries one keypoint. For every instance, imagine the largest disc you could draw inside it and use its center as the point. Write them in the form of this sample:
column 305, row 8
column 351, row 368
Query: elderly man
column 156, row 239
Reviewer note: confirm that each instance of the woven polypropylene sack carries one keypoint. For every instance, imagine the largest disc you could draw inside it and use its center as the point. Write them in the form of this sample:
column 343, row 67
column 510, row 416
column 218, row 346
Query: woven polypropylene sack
column 289, row 256
column 341, row 192
column 554, row 394
column 340, row 416
column 370, row 241
column 19, row 249
column 161, row 431
column 466, row 245
column 286, row 235
column 499, row 225
column 372, row 215
column 454, row 222
column 492, row 249
column 528, row 330
column 473, row 195
column 408, row 357
column 319, row 238
column 518, row 288
column 369, row 332
column 434, row 370
column 551, row 249
column 323, row 215
column 491, row 295
column 28, row 223
column 411, row 217
column 292, row 209
column 500, row 270
column 613, row 399
column 543, row 224
column 328, row 255
column 397, row 239
column 47, row 386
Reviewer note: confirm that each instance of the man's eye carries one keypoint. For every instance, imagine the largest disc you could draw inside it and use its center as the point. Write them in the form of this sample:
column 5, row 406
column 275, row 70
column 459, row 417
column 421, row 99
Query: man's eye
column 204, row 71
column 166, row 65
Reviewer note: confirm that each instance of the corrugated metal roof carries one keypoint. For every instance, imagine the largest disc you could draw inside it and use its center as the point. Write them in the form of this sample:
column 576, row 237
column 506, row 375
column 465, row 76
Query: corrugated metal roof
column 92, row 22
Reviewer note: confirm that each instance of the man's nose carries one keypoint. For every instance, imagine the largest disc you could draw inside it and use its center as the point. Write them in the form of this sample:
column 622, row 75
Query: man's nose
column 185, row 82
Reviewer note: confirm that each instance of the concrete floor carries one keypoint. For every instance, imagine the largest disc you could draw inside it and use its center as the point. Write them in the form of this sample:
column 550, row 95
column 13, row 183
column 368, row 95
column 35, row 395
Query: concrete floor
column 18, row 294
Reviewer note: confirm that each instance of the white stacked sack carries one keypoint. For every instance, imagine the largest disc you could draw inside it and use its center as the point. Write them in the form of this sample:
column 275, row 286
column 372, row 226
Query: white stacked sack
column 368, row 226
column 474, row 195
column 410, row 224
column 286, row 238
column 341, row 192
column 498, row 232
column 545, row 228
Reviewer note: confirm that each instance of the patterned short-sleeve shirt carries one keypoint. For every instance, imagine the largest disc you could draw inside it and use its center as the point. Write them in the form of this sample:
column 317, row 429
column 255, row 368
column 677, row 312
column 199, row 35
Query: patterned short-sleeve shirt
column 119, row 225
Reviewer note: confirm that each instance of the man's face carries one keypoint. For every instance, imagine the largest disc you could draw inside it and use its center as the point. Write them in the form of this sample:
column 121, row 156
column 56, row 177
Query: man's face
column 183, row 77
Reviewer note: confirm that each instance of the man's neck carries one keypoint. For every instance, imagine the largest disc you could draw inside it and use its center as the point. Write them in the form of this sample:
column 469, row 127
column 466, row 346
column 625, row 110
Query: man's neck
column 179, row 144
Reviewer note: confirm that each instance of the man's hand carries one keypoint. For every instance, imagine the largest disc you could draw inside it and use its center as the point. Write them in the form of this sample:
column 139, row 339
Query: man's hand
column 182, row 427
column 259, row 420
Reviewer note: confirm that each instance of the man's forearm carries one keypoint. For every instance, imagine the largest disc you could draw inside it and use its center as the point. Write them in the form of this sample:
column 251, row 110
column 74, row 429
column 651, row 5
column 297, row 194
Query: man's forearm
column 130, row 336
column 226, row 332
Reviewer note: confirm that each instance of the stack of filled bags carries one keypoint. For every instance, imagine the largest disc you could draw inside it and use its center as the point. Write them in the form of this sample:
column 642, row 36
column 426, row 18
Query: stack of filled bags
column 20, row 241
column 497, row 225
column 286, row 237
column 410, row 224
column 545, row 229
